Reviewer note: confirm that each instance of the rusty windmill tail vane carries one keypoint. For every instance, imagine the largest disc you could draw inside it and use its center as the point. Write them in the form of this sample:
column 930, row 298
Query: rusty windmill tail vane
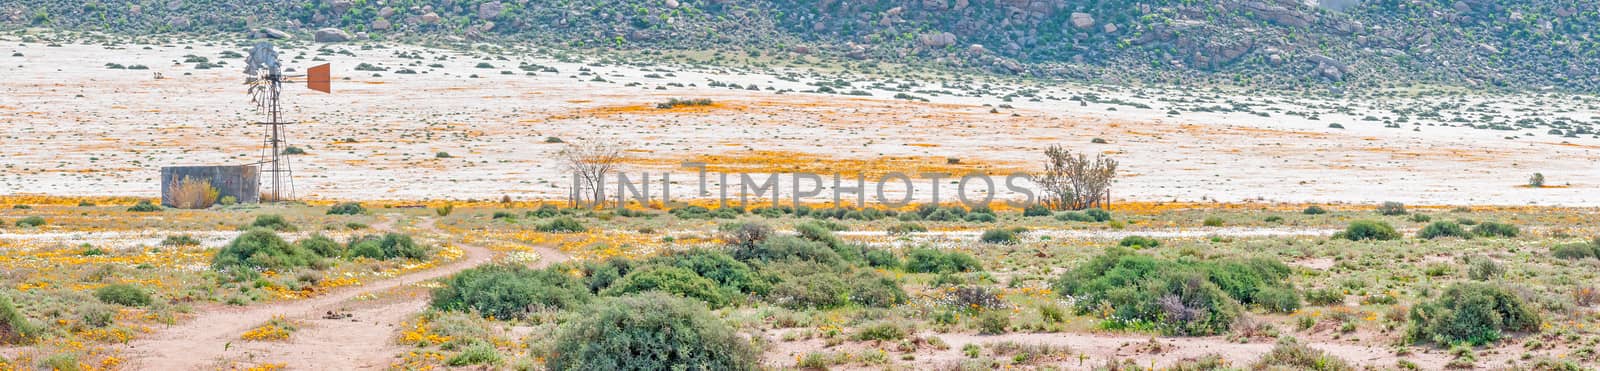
column 265, row 78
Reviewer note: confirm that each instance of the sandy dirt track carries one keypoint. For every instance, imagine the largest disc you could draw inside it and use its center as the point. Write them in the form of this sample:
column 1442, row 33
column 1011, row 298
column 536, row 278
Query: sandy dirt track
column 363, row 341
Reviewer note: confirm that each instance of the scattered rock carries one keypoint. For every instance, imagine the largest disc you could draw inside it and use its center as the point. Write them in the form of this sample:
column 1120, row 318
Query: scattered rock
column 380, row 24
column 937, row 40
column 276, row 34
column 1082, row 21
column 331, row 35
column 490, row 10
column 429, row 18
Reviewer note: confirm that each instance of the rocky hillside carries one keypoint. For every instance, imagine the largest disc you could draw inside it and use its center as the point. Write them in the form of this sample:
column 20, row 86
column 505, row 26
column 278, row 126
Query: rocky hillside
column 1287, row 44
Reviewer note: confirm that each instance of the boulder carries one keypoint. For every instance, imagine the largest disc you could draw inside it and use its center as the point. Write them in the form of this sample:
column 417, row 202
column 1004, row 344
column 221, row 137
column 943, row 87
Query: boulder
column 385, row 12
column 672, row 4
column 380, row 24
column 1082, row 21
column 490, row 10
column 937, row 40
column 331, row 35
column 430, row 18
column 1109, row 28
column 273, row 33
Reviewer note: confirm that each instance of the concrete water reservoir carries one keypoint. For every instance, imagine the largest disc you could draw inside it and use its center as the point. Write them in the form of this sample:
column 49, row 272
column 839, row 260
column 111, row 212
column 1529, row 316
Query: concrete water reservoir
column 240, row 181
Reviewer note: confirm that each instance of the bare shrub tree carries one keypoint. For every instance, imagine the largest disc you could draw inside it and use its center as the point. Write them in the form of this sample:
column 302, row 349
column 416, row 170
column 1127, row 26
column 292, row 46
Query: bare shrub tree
column 590, row 161
column 192, row 193
column 1073, row 182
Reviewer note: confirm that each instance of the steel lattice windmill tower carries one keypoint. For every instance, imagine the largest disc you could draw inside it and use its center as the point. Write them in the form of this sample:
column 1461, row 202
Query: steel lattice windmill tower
column 265, row 78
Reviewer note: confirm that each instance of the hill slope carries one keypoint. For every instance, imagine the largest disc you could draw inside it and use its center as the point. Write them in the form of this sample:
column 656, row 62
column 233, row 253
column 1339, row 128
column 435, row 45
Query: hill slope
column 1285, row 44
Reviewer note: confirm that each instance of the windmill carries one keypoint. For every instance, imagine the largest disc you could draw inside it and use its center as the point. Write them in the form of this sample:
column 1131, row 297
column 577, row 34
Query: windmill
column 265, row 78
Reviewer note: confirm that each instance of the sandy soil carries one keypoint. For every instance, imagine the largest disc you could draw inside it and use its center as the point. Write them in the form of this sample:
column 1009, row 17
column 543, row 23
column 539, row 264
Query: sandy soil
column 75, row 127
column 362, row 341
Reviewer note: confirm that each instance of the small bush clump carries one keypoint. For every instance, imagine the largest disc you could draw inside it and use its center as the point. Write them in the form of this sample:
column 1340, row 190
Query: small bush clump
column 1443, row 229
column 123, row 294
column 1369, row 230
column 144, row 206
column 1139, row 242
column 14, row 328
column 561, row 225
column 1493, row 229
column 646, row 331
column 1392, row 208
column 1574, row 251
column 1291, row 355
column 1471, row 312
column 30, row 222
column 927, row 260
column 388, row 246
column 260, row 249
column 347, row 208
column 672, row 280
column 1000, row 236
column 272, row 222
column 1314, row 210
column 1181, row 297
column 509, row 291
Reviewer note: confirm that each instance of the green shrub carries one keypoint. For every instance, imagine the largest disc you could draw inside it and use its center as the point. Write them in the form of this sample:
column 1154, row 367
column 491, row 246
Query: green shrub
column 261, row 249
column 808, row 285
column 1325, row 296
column 122, row 294
column 1369, row 230
column 1291, row 355
column 1392, row 208
column 322, row 245
column 1074, row 216
column 32, row 221
column 347, row 208
column 273, row 222
column 14, row 328
column 1421, row 218
column 672, row 280
column 1035, row 210
column 882, row 331
column 819, row 232
column 719, row 267
column 927, row 260
column 144, row 206
column 545, row 211
column 1098, row 215
column 1471, row 312
column 180, row 240
column 788, row 248
column 388, row 246
column 1443, row 229
column 874, row 290
column 477, row 354
column 906, row 228
column 1314, row 210
column 1573, row 251
column 1181, row 297
column 646, row 332
column 1277, row 299
column 1139, row 242
column 1483, row 268
column 745, row 234
column 999, row 236
column 994, row 322
column 1492, row 229
column 509, row 291
column 1212, row 221
column 561, row 225
column 878, row 258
